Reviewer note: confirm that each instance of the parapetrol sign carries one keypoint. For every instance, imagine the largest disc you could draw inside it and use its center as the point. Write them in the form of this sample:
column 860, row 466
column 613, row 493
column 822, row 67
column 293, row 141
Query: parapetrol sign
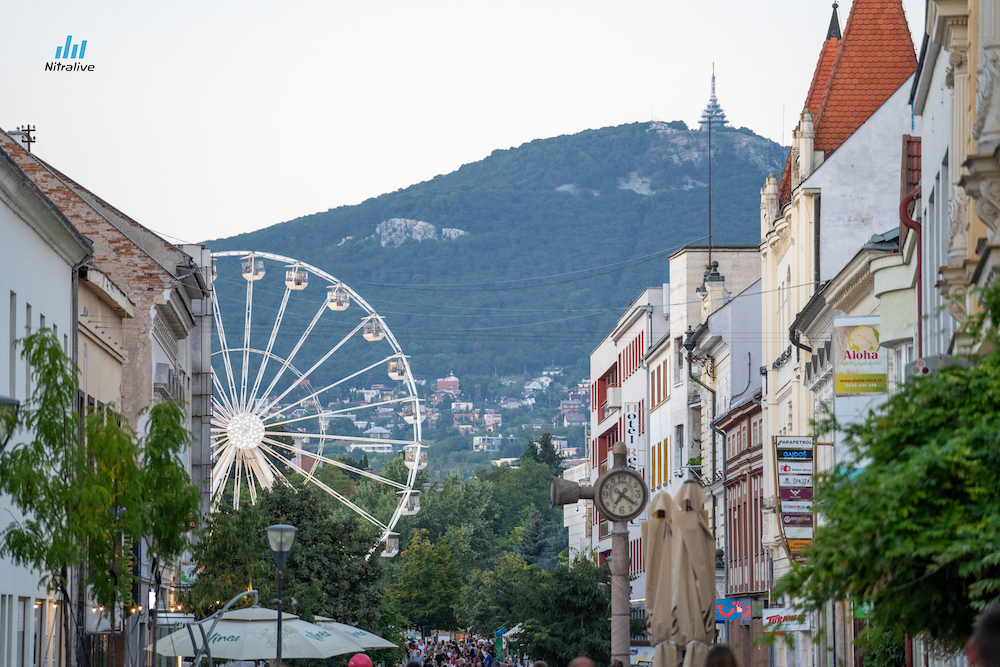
column 785, row 619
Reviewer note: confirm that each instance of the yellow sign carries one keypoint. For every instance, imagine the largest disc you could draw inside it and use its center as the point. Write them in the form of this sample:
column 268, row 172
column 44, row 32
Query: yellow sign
column 860, row 383
column 798, row 545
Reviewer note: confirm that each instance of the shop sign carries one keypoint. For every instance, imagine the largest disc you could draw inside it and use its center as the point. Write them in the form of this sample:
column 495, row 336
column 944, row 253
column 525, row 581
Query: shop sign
column 730, row 610
column 798, row 545
column 641, row 656
column 795, row 494
column 796, row 506
column 631, row 429
column 797, row 520
column 795, row 480
column 795, row 455
column 798, row 532
column 795, row 468
column 794, row 441
column 860, row 365
column 785, row 619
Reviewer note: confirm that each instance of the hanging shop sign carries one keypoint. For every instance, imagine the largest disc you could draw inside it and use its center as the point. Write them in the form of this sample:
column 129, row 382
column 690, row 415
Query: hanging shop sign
column 731, row 610
column 860, row 363
column 785, row 619
column 630, row 428
column 794, row 471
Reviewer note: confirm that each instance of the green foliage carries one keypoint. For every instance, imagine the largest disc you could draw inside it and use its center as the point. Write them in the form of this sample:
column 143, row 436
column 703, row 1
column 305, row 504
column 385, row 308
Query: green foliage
column 564, row 611
column 430, row 585
column 882, row 648
column 915, row 527
column 326, row 572
column 470, row 304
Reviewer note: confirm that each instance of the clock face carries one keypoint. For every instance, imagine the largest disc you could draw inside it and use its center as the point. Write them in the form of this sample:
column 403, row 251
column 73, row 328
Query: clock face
column 622, row 495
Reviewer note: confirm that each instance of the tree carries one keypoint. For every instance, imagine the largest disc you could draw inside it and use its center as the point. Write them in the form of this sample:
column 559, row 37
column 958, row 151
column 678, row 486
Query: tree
column 430, row 586
column 916, row 530
column 326, row 572
column 171, row 501
column 547, row 452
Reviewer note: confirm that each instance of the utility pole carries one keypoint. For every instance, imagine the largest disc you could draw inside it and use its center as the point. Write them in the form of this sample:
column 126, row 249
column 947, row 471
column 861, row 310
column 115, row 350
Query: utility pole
column 24, row 133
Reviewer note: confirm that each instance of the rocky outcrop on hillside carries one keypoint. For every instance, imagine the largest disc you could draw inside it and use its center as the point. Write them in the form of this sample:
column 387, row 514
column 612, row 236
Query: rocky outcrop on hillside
column 395, row 231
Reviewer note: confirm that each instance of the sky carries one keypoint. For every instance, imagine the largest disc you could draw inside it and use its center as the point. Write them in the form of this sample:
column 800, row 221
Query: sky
column 205, row 119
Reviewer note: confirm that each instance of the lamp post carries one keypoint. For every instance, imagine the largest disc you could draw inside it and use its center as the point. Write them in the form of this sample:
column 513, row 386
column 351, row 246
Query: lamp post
column 280, row 537
column 8, row 418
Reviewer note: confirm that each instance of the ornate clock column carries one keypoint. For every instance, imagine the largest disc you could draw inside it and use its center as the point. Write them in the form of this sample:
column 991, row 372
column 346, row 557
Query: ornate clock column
column 620, row 494
column 620, row 562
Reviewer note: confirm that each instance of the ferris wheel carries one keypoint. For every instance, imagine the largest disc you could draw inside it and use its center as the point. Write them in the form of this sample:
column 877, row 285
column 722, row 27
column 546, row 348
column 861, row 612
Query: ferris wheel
column 278, row 407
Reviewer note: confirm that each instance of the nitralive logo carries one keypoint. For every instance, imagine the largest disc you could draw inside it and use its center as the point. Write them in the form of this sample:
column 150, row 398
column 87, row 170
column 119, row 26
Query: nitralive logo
column 69, row 51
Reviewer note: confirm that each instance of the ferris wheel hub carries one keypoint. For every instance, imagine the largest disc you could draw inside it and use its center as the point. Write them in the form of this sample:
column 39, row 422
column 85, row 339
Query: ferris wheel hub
column 245, row 430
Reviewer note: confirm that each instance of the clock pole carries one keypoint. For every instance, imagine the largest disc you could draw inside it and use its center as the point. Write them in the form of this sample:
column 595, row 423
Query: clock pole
column 614, row 493
column 620, row 605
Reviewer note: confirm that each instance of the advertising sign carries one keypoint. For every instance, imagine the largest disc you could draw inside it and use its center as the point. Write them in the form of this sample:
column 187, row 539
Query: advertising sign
column 630, row 427
column 795, row 480
column 795, row 467
column 795, row 494
column 793, row 441
column 860, row 363
column 796, row 506
column 785, row 619
column 793, row 533
column 642, row 656
column 797, row 545
column 730, row 610
column 797, row 520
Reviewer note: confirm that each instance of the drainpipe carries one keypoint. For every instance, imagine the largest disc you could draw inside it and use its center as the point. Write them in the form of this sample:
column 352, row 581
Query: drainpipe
column 725, row 506
column 914, row 226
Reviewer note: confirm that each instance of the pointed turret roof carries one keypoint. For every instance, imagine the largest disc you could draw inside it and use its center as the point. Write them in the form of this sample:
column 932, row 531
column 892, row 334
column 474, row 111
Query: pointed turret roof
column 855, row 74
column 713, row 110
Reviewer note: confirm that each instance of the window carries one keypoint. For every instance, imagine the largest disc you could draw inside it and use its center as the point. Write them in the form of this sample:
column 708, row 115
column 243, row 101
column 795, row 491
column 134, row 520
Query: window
column 679, row 360
column 679, row 444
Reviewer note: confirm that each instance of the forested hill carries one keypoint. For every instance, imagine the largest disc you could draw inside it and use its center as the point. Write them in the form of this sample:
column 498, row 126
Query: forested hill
column 529, row 256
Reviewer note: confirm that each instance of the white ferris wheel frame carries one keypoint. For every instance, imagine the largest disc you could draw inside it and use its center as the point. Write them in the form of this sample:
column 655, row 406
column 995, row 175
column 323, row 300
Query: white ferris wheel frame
column 224, row 407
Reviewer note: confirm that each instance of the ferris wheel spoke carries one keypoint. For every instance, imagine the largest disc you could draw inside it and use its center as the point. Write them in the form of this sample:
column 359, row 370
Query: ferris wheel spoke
column 335, row 462
column 332, row 413
column 220, row 472
column 238, row 477
column 222, row 399
column 348, row 438
column 291, row 464
column 220, row 408
column 246, row 346
column 331, row 386
column 222, row 343
column 295, row 350
column 270, row 346
column 319, row 363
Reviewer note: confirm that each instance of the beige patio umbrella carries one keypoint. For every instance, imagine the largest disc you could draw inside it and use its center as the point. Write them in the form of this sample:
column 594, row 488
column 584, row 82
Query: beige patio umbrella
column 680, row 573
column 656, row 538
column 692, row 563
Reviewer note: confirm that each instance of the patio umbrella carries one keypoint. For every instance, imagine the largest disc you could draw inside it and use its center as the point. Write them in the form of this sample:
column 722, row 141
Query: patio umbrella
column 362, row 637
column 692, row 564
column 251, row 634
column 656, row 536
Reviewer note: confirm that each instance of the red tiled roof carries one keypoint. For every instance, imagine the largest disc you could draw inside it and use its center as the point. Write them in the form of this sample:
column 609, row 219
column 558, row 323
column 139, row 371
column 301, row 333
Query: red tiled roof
column 874, row 59
column 855, row 75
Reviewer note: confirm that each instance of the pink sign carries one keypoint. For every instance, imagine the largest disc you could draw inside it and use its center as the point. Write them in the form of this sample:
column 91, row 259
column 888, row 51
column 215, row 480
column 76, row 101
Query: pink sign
column 795, row 494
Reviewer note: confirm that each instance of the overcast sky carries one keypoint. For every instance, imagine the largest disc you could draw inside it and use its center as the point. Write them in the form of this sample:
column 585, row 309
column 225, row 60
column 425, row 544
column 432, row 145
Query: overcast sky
column 210, row 118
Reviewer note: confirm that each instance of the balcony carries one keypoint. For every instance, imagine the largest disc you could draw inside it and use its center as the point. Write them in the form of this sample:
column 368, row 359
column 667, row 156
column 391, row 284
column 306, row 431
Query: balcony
column 170, row 384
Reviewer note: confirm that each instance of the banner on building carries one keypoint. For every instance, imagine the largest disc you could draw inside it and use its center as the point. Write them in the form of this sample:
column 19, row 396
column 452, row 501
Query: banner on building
column 785, row 619
column 860, row 363
column 641, row 656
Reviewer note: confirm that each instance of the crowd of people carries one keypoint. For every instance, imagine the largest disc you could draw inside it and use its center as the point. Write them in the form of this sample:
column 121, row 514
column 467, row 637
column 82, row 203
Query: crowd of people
column 982, row 650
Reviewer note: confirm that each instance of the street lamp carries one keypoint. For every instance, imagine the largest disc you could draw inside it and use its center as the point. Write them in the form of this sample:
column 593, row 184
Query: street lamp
column 8, row 418
column 280, row 537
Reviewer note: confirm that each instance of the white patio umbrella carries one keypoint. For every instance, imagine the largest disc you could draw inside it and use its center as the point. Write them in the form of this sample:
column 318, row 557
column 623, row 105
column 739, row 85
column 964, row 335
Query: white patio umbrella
column 251, row 634
column 363, row 637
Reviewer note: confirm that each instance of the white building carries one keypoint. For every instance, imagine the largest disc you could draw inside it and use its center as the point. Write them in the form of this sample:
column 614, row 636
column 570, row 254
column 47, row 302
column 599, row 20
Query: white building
column 39, row 284
column 577, row 517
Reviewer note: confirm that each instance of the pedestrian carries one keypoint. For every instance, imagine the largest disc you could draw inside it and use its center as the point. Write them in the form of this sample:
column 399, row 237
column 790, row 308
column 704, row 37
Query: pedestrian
column 983, row 647
column 540, row 663
column 581, row 661
column 720, row 655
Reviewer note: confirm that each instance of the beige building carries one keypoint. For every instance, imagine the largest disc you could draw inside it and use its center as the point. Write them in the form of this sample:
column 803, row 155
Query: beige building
column 104, row 314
